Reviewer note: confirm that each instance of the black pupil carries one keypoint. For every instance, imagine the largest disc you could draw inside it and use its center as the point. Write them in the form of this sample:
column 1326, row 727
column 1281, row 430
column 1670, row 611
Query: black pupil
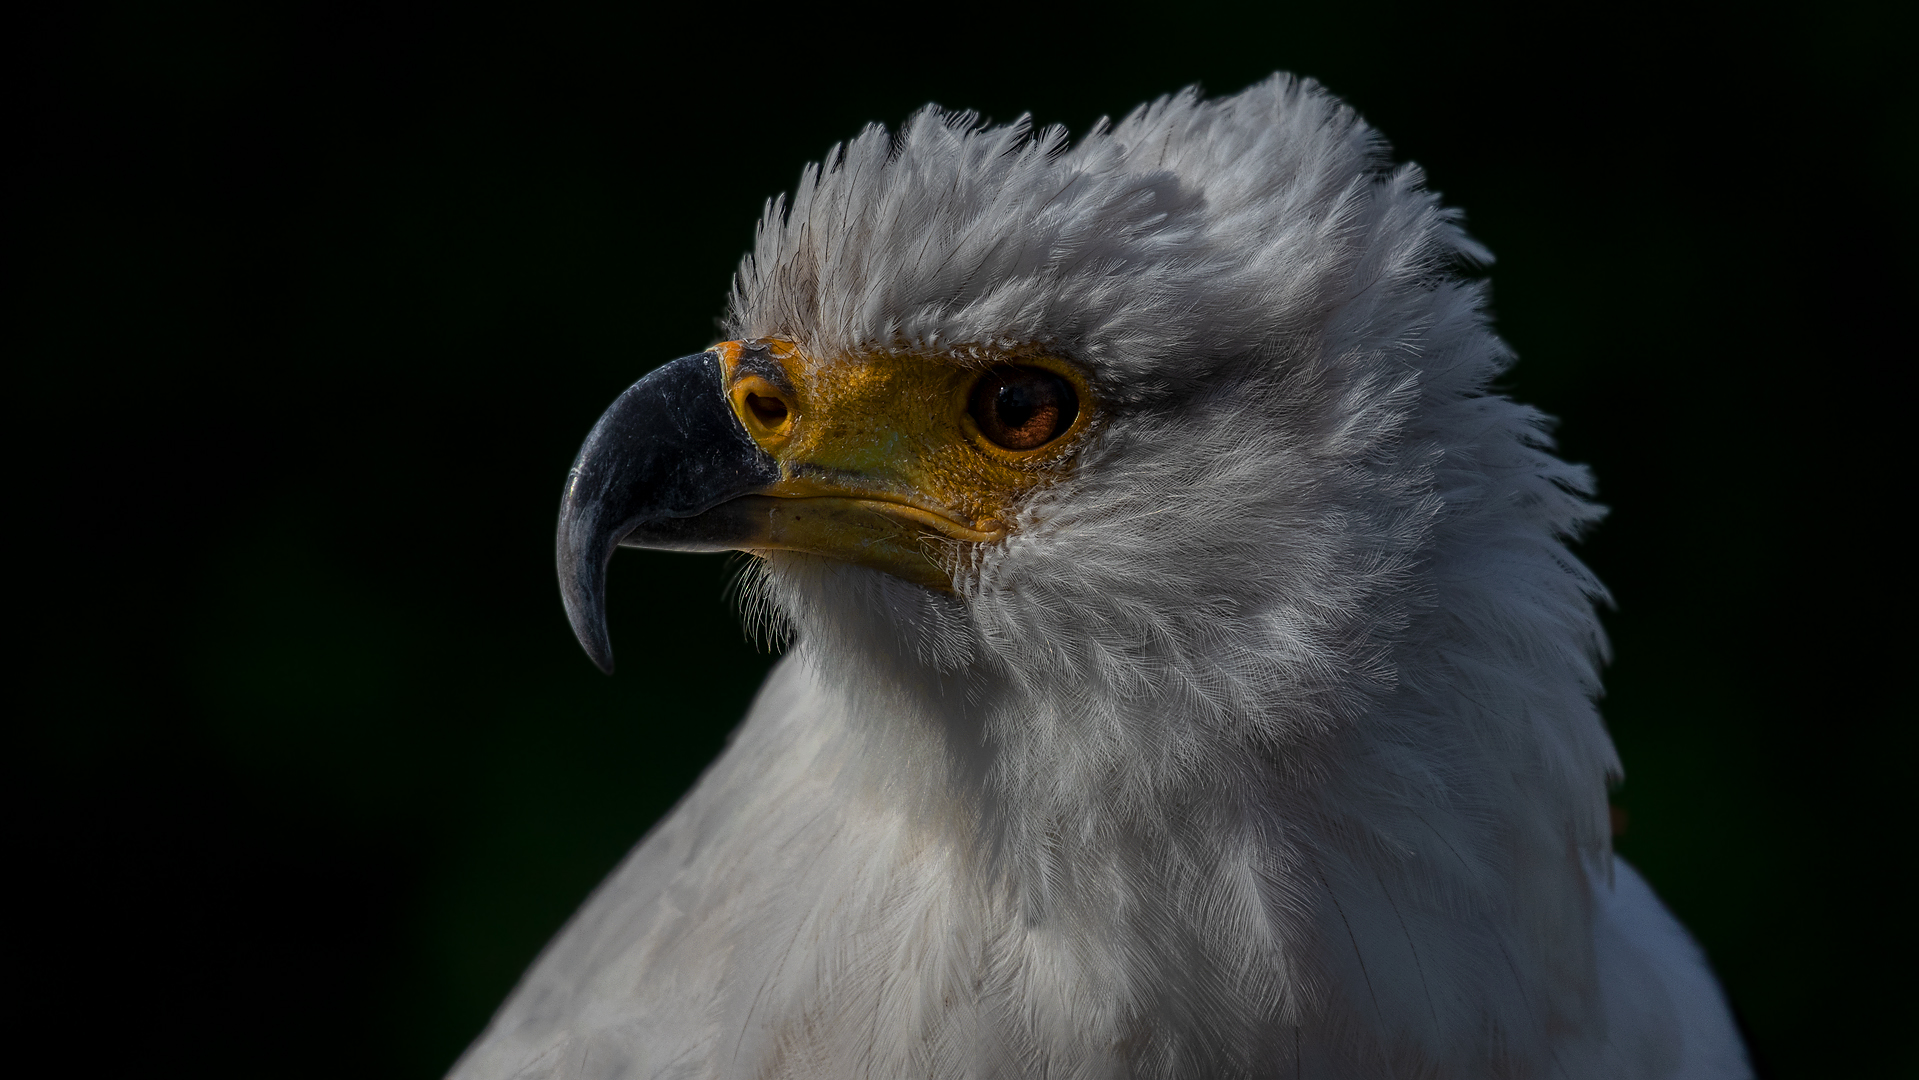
column 1018, row 401
column 1022, row 408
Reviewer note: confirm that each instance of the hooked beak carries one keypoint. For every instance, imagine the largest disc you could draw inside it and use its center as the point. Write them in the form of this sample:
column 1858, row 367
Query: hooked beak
column 742, row 448
column 667, row 450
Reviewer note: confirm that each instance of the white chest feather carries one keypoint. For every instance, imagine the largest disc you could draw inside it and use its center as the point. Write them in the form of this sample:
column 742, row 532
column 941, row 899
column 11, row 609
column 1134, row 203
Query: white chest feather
column 791, row 919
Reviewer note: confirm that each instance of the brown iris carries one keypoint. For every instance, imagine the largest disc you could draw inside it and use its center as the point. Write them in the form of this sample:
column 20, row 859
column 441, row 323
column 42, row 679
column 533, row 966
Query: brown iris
column 1022, row 408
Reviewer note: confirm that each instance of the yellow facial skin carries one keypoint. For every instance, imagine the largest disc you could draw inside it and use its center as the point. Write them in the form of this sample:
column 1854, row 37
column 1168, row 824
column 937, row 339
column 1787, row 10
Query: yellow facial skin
column 880, row 462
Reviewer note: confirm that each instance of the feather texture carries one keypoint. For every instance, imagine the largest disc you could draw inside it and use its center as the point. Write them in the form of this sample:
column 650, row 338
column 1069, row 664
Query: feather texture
column 1264, row 747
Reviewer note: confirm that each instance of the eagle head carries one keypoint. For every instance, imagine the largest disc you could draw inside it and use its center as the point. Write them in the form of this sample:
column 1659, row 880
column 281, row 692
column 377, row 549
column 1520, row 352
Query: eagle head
column 1153, row 544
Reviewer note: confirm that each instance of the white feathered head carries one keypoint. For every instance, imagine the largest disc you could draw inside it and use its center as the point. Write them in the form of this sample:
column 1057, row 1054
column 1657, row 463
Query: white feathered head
column 1154, row 485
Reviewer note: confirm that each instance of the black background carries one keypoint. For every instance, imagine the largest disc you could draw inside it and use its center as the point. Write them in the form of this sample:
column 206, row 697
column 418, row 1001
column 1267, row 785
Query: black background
column 315, row 302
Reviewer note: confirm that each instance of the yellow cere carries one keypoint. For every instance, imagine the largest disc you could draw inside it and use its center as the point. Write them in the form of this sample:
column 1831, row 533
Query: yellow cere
column 888, row 433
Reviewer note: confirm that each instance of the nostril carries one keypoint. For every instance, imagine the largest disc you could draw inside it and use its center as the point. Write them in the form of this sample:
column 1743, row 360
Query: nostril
column 771, row 411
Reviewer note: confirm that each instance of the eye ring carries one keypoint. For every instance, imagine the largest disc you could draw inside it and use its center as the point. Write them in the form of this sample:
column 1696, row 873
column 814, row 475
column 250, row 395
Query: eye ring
column 1022, row 408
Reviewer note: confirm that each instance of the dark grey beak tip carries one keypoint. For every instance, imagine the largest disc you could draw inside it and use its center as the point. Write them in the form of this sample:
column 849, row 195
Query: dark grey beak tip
column 668, row 448
column 601, row 653
column 599, row 649
column 583, row 559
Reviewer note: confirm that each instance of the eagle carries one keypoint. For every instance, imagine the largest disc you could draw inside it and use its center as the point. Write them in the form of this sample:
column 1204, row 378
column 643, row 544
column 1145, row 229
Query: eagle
column 1186, row 673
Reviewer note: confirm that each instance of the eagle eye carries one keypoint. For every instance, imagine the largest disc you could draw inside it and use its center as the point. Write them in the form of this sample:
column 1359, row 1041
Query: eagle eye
column 1022, row 408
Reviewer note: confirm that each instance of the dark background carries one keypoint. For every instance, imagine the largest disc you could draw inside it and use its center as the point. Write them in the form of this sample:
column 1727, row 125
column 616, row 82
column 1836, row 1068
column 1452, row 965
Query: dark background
column 314, row 303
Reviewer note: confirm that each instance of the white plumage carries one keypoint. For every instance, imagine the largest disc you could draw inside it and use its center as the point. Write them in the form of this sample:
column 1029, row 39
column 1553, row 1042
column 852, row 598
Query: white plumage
column 1262, row 745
